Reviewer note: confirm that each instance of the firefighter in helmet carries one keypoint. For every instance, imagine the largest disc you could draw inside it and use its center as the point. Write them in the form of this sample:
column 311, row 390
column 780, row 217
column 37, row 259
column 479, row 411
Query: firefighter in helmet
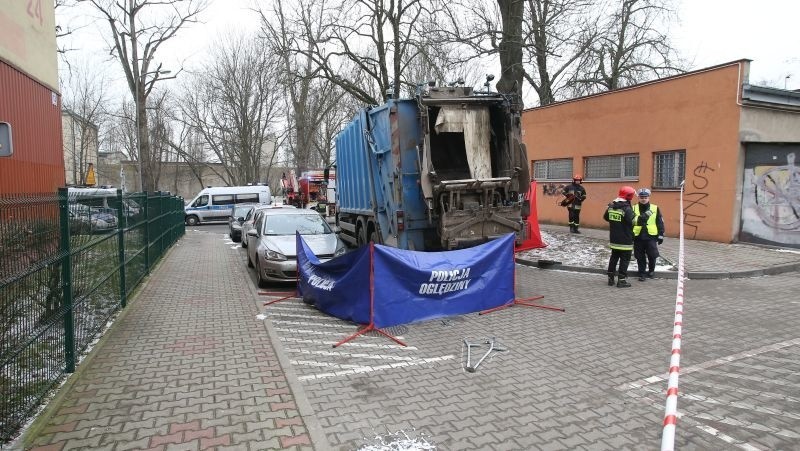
column 619, row 216
column 574, row 195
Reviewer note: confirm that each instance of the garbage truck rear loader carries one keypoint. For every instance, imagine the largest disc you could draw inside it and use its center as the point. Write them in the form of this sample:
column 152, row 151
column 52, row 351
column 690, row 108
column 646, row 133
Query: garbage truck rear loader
column 444, row 170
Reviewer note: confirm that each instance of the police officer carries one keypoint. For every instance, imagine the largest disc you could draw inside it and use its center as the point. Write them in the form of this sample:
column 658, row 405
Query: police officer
column 648, row 229
column 619, row 216
column 574, row 195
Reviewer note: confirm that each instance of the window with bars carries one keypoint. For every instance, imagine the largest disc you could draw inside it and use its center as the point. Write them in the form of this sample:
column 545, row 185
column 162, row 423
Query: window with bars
column 612, row 167
column 669, row 169
column 560, row 169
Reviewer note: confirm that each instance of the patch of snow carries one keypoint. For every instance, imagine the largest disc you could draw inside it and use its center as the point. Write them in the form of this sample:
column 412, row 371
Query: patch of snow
column 398, row 441
column 261, row 316
column 789, row 251
column 569, row 249
column 578, row 250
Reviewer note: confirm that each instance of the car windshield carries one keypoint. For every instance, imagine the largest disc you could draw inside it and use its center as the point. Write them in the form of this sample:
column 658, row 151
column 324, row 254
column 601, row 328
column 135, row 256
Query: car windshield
column 289, row 224
column 240, row 212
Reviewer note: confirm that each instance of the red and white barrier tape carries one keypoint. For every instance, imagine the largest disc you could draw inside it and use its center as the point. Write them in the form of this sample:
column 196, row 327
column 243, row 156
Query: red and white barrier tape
column 671, row 407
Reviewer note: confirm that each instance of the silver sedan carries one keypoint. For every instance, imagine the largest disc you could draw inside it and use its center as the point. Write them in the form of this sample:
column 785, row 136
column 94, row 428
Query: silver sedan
column 271, row 245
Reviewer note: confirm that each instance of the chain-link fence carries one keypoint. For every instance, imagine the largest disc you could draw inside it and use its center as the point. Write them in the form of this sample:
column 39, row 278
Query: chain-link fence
column 68, row 262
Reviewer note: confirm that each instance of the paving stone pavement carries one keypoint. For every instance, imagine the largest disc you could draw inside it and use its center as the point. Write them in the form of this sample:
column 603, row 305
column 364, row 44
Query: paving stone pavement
column 187, row 367
column 190, row 367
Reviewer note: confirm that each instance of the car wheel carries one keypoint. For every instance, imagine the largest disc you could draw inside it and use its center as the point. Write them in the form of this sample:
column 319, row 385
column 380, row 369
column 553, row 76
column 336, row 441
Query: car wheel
column 244, row 242
column 261, row 282
column 192, row 220
column 249, row 262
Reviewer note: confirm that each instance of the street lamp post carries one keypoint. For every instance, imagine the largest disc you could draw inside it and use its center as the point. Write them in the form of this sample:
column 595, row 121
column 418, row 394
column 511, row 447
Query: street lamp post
column 136, row 114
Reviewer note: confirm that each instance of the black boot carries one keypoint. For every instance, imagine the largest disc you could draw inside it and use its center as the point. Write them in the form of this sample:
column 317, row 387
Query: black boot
column 576, row 229
column 572, row 229
column 610, row 280
column 622, row 282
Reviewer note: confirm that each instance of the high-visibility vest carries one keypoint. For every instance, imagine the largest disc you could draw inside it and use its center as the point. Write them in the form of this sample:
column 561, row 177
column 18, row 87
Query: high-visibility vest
column 652, row 228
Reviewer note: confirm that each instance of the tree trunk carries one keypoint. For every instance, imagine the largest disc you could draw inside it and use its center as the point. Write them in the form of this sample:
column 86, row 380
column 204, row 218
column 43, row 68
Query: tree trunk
column 510, row 48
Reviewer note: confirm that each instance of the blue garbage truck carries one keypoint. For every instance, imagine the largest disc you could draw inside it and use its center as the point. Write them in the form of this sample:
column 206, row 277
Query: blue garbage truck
column 443, row 170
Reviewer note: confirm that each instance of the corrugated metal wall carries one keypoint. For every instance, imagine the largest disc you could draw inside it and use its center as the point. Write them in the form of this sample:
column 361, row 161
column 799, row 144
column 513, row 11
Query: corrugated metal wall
column 37, row 165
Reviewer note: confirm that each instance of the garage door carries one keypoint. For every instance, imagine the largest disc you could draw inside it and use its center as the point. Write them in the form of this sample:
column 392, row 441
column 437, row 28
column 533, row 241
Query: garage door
column 771, row 194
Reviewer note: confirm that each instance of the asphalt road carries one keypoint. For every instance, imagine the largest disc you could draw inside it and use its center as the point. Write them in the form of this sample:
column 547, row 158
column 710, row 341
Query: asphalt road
column 593, row 376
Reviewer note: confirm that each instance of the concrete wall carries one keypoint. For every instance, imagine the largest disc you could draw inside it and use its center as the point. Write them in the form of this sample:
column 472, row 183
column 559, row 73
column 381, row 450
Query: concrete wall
column 28, row 39
column 177, row 178
column 696, row 112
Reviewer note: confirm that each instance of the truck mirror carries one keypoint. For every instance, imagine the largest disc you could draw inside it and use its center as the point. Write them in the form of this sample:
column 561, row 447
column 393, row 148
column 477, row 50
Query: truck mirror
column 326, row 174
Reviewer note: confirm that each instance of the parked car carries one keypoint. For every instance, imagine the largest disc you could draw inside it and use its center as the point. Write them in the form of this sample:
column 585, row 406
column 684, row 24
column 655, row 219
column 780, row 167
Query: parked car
column 103, row 198
column 251, row 216
column 272, row 246
column 85, row 219
column 235, row 220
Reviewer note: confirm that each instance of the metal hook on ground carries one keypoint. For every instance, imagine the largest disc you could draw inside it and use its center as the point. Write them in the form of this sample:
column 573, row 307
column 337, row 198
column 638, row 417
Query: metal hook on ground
column 493, row 346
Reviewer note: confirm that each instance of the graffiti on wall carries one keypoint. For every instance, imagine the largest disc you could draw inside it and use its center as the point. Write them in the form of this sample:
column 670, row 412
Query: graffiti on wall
column 552, row 189
column 771, row 203
column 695, row 195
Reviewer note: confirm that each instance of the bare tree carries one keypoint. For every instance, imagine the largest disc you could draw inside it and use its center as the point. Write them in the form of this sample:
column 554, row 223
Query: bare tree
column 85, row 102
column 233, row 104
column 509, row 48
column 361, row 45
column 559, row 34
column 313, row 100
column 138, row 30
column 633, row 47
column 538, row 41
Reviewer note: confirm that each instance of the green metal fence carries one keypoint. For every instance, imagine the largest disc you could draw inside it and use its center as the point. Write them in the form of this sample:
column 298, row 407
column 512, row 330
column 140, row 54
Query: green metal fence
column 68, row 263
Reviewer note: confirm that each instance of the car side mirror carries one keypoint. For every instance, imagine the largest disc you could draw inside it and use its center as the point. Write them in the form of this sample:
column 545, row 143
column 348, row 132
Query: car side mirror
column 240, row 219
column 252, row 232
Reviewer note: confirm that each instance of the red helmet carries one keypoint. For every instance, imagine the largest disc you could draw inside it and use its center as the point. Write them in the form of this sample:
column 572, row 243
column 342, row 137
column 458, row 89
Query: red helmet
column 577, row 177
column 626, row 192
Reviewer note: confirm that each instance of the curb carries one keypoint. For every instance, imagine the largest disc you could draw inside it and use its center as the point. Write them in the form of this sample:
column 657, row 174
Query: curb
column 315, row 430
column 696, row 275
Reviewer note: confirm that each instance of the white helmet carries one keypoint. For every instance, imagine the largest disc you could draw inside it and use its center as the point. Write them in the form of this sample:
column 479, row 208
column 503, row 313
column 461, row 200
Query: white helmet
column 643, row 192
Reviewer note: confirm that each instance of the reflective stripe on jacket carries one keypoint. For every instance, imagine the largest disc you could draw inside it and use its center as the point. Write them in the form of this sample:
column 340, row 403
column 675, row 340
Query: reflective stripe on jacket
column 620, row 220
column 652, row 228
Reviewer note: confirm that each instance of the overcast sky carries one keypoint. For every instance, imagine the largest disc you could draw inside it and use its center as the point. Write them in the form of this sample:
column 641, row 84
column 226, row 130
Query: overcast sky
column 766, row 31
column 710, row 32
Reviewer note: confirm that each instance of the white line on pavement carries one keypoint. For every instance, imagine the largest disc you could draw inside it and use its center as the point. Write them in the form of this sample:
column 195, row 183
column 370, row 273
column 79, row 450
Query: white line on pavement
column 323, row 364
column 713, row 363
column 315, row 332
column 306, row 323
column 369, row 369
column 353, row 355
column 734, row 404
column 351, row 344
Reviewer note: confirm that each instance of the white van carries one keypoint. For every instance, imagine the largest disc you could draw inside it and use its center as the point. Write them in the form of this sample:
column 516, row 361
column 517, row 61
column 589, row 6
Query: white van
column 214, row 204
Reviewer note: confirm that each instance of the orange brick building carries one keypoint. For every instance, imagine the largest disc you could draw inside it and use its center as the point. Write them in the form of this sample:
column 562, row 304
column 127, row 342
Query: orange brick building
column 734, row 145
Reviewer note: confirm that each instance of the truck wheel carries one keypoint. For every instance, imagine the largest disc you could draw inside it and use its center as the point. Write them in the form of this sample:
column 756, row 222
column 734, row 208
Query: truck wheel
column 192, row 220
column 361, row 236
column 373, row 236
